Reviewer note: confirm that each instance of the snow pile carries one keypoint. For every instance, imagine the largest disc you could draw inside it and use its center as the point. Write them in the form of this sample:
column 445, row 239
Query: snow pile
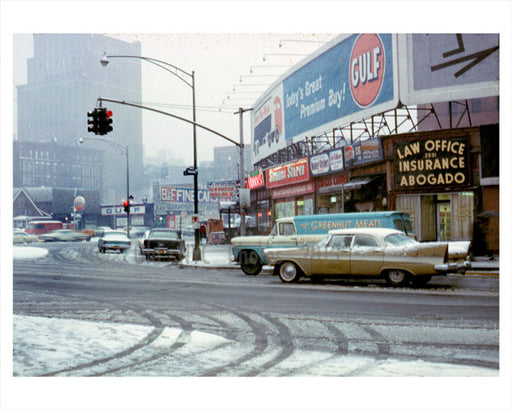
column 28, row 252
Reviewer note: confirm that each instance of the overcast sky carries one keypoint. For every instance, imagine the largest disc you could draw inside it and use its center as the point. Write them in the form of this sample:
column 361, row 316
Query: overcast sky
column 180, row 33
column 223, row 81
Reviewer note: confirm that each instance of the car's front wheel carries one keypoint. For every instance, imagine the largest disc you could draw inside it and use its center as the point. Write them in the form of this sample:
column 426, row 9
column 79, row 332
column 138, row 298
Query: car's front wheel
column 397, row 277
column 250, row 263
column 289, row 272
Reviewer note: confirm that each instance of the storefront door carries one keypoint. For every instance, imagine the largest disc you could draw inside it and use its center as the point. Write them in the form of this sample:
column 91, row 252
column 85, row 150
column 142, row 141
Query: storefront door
column 444, row 221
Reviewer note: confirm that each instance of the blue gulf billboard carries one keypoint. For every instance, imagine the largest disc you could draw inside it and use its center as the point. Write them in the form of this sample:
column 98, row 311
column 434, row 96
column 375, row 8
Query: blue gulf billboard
column 353, row 77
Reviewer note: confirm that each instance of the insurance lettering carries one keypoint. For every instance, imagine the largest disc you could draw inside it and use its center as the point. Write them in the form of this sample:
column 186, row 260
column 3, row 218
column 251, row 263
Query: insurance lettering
column 432, row 162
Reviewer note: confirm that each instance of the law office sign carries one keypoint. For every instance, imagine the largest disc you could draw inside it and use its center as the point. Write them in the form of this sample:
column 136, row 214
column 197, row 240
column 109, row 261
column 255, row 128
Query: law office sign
column 432, row 162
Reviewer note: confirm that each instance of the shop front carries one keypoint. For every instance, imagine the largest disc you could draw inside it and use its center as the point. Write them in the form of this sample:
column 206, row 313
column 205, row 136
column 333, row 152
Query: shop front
column 292, row 189
column 261, row 201
column 433, row 183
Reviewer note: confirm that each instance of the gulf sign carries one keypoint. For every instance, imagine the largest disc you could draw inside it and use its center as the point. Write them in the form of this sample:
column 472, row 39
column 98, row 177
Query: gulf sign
column 351, row 78
column 367, row 67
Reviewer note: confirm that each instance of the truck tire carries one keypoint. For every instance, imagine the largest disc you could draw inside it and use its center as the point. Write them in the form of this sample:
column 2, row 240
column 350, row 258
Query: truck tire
column 250, row 263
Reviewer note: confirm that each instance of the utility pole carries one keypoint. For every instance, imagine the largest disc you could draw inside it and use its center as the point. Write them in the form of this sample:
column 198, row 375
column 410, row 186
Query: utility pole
column 241, row 170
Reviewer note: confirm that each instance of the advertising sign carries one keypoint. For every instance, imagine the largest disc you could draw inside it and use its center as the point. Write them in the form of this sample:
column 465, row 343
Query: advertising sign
column 119, row 210
column 326, row 162
column 291, row 173
column 171, row 194
column 255, row 179
column 363, row 151
column 224, row 192
column 436, row 162
column 79, row 203
column 352, row 77
column 268, row 125
column 445, row 67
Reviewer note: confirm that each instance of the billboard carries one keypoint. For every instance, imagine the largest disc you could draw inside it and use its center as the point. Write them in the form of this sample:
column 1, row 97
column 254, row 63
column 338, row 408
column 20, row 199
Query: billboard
column 447, row 67
column 350, row 78
column 356, row 76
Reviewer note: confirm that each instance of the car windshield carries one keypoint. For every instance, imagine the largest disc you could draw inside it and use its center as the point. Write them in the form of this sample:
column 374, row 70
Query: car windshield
column 397, row 240
column 163, row 235
column 325, row 241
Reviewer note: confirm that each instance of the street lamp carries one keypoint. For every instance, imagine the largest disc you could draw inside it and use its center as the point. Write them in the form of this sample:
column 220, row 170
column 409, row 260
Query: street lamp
column 124, row 150
column 187, row 78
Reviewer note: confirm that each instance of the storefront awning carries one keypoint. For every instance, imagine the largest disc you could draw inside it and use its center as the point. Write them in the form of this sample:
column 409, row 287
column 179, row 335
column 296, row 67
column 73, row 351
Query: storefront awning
column 356, row 183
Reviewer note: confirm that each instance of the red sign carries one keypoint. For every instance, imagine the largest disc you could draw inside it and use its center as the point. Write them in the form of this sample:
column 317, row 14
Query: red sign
column 292, row 173
column 331, row 180
column 255, row 180
column 367, row 65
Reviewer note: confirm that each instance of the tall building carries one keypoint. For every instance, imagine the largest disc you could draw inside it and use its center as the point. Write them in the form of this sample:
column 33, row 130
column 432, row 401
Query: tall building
column 64, row 80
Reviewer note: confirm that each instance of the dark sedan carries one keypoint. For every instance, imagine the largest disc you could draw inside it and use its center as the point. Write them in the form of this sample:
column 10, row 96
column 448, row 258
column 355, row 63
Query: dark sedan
column 164, row 243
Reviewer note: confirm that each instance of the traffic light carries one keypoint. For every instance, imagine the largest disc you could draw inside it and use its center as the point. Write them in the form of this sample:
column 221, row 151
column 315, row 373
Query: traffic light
column 105, row 121
column 126, row 206
column 94, row 122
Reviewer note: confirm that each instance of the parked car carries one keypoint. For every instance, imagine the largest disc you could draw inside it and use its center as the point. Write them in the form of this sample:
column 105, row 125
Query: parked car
column 163, row 243
column 370, row 252
column 114, row 241
column 63, row 235
column 100, row 230
column 23, row 237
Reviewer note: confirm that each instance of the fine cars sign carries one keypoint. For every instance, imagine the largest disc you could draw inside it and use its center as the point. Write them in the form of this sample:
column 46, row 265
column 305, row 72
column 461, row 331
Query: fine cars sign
column 432, row 162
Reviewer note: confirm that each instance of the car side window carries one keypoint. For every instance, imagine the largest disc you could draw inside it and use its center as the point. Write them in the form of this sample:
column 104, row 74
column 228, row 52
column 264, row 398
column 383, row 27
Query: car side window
column 341, row 241
column 365, row 241
column 287, row 229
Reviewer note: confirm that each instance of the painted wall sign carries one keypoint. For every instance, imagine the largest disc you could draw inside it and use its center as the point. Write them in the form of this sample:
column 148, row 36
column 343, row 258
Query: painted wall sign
column 291, row 173
column 427, row 163
column 326, row 162
column 171, row 194
column 222, row 191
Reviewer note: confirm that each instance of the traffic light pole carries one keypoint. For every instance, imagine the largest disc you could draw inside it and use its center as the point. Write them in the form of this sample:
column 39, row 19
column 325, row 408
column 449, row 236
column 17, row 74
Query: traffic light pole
column 127, row 193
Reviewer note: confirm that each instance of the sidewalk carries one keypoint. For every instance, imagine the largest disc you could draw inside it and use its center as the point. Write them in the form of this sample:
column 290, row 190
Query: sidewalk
column 219, row 257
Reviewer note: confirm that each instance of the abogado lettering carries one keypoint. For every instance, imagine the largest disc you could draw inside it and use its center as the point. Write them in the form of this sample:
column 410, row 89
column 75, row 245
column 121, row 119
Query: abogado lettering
column 431, row 162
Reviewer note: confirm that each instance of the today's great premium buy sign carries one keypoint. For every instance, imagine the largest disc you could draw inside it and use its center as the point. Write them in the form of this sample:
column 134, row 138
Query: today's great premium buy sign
column 426, row 163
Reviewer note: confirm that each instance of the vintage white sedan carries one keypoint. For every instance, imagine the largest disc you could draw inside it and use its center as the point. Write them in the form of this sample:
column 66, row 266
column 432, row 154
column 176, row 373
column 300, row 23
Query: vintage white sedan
column 382, row 253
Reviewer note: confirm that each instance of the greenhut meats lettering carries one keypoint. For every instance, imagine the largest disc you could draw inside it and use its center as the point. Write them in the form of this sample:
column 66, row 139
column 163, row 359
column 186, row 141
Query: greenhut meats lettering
column 328, row 225
column 431, row 162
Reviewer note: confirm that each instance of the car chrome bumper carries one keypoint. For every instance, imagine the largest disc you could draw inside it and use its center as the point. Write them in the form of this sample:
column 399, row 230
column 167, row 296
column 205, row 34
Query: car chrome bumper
column 453, row 267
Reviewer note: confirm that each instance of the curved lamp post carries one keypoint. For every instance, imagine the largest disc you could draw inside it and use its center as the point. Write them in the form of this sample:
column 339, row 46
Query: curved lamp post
column 187, row 78
column 124, row 150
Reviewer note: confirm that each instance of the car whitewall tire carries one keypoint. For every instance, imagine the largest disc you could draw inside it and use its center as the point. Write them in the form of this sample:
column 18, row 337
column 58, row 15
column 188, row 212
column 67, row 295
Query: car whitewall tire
column 289, row 272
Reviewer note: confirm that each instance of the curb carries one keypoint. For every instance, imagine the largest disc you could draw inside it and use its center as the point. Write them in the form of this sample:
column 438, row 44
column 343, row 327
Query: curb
column 476, row 272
